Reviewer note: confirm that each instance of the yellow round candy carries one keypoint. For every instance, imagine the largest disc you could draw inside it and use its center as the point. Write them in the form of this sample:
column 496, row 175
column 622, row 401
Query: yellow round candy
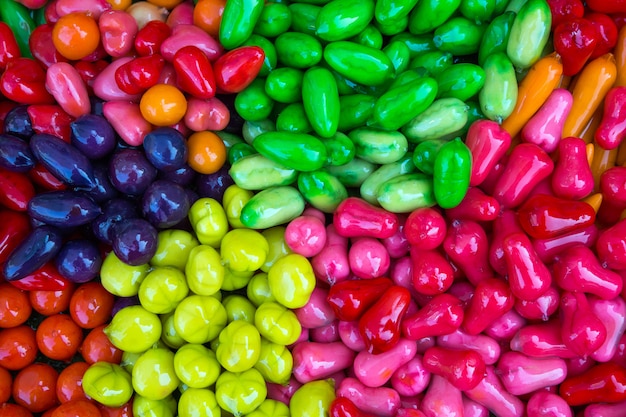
column 292, row 280
column 275, row 237
column 244, row 250
column 163, row 105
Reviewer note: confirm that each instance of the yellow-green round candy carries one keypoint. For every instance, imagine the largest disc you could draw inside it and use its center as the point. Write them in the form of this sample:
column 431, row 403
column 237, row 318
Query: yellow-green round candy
column 154, row 376
column 275, row 362
column 241, row 392
column 108, row 384
column 198, row 402
column 292, row 280
column 196, row 365
column 121, row 279
column 134, row 329
column 244, row 250
column 204, row 270
column 162, row 289
column 173, row 247
column 277, row 323
column 199, row 318
column 239, row 346
column 312, row 399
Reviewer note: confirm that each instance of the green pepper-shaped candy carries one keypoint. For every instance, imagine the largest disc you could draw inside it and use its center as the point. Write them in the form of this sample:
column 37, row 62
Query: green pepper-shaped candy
column 409, row 76
column 362, row 64
column 304, row 17
column 425, row 153
column 443, row 117
column 370, row 36
column 322, row 190
column 293, row 118
column 392, row 27
column 253, row 128
column 339, row 148
column 299, row 151
column 379, row 146
column 496, row 36
column 238, row 20
column 256, row 172
column 342, row 19
column 355, row 110
column 499, row 94
column 285, row 85
column 405, row 193
column 18, row 18
column 272, row 207
column 369, row 188
column 393, row 10
column 530, row 33
column 479, row 11
column 320, row 97
column 253, row 103
column 453, row 166
column 354, row 172
column 434, row 61
column 459, row 36
column 430, row 14
column 275, row 19
column 238, row 151
column 399, row 106
column 399, row 54
column 416, row 43
column 462, row 81
column 298, row 50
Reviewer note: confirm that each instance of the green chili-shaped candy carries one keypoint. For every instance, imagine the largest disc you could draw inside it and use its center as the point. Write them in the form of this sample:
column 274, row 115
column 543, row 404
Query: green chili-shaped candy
column 496, row 36
column 339, row 148
column 430, row 14
column 355, row 110
column 304, row 17
column 405, row 193
column 499, row 94
column 256, row 172
column 451, row 175
column 342, row 19
column 299, row 151
column 353, row 173
column 298, row 50
column 253, row 103
column 293, row 119
column 530, row 33
column 272, row 207
column 275, row 19
column 378, row 146
column 443, row 117
column 321, row 101
column 322, row 190
column 399, row 54
column 425, row 153
column 284, row 85
column 459, row 36
column 369, row 187
column 463, row 81
column 238, row 20
column 478, row 10
column 362, row 64
column 434, row 61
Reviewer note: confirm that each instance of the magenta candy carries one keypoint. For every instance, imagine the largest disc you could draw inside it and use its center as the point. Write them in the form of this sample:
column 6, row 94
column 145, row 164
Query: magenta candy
column 462, row 368
column 431, row 273
column 611, row 246
column 572, row 177
column 521, row 374
column 505, row 327
column 313, row 212
column 306, row 236
column 184, row 35
column 577, row 269
column 549, row 248
column 612, row 128
column 126, row 119
column 472, row 409
column 579, row 364
column 397, row 244
column 92, row 7
column 476, row 206
column 545, row 127
column 283, row 393
column 620, row 353
column 67, row 87
column 355, row 217
column 442, row 399
column 401, row 272
column 528, row 164
column 529, row 278
column 466, row 245
column 350, row 335
column 542, row 308
column 442, row 315
column 316, row 312
column 612, row 314
column 325, row 334
column 546, row 404
column 490, row 393
column 411, row 378
column 541, row 340
column 492, row 298
column 376, row 370
column 488, row 142
column 409, row 412
column 462, row 290
column 331, row 265
column 368, row 258
column 182, row 14
column 605, row 410
column 117, row 32
column 505, row 224
column 613, row 186
column 425, row 228
column 381, row 401
column 211, row 114
column 486, row 346
column 312, row 360
column 489, row 184
column 105, row 87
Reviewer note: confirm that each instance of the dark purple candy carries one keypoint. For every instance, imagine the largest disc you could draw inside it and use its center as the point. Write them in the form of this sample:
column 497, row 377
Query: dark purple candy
column 93, row 135
column 63, row 208
column 104, row 189
column 15, row 154
column 79, row 260
column 134, row 241
column 113, row 212
column 17, row 122
column 122, row 302
column 40, row 246
column 63, row 160
column 166, row 148
column 131, row 172
column 164, row 204
column 181, row 176
column 214, row 185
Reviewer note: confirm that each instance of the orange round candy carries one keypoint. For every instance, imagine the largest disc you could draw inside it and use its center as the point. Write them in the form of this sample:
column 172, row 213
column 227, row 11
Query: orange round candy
column 76, row 35
column 207, row 152
column 208, row 15
column 119, row 4
column 168, row 4
column 163, row 105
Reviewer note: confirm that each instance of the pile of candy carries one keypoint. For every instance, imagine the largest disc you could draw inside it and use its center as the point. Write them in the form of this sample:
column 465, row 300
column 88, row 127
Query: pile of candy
column 312, row 208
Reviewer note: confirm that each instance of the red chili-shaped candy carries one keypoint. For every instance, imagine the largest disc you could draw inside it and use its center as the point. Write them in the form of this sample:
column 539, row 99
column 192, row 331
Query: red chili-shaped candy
column 488, row 142
column 351, row 298
column 466, row 244
column 581, row 331
column 612, row 129
column 355, row 217
column 381, row 401
column 149, row 38
column 45, row 278
column 578, row 269
column 89, row 71
column 16, row 190
column 343, row 407
column 575, row 40
column 14, row 227
column 105, row 87
column 185, row 35
column 117, row 32
column 611, row 246
column 607, row 33
column 139, row 74
column 541, row 308
column 603, row 383
column 23, row 81
column 431, row 272
column 50, row 119
column 541, row 340
column 528, row 277
column 462, row 368
column 572, row 177
column 562, row 10
column 194, row 72
column 487, row 347
column 375, row 370
column 425, row 228
column 8, row 45
column 41, row 46
column 527, row 166
column 492, row 298
column 476, row 206
column 505, row 224
column 236, row 69
column 443, row 314
column 543, row 216
column 380, row 324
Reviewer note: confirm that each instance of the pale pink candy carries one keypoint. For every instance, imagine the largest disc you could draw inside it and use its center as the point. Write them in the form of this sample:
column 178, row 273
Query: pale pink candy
column 105, row 87
column 546, row 404
column 488, row 347
column 442, row 399
column 117, row 32
column 126, row 119
column 521, row 374
column 351, row 336
column 325, row 334
column 306, row 235
column 183, row 35
column 317, row 312
column 603, row 410
column 612, row 313
column 382, row 401
column 545, row 127
column 67, row 87
column 375, row 370
column 472, row 409
column 368, row 258
column 313, row 361
column 490, row 393
column 181, row 14
column 283, row 393
column 92, row 7
column 505, row 327
column 411, row 378
column 210, row 114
